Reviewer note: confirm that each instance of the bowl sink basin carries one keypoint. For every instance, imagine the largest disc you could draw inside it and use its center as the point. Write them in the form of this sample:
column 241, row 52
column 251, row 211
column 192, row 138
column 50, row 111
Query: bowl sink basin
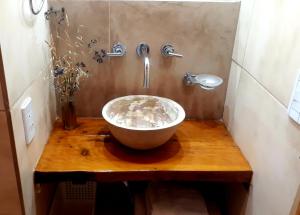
column 142, row 121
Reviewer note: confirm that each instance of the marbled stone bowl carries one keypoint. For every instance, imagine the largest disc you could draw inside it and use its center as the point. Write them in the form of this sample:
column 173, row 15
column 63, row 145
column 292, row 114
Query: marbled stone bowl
column 143, row 121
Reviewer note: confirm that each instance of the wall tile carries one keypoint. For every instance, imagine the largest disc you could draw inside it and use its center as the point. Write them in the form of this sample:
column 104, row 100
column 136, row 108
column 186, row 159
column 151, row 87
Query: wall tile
column 28, row 155
column 9, row 194
column 242, row 32
column 232, row 89
column 25, row 54
column 270, row 140
column 273, row 50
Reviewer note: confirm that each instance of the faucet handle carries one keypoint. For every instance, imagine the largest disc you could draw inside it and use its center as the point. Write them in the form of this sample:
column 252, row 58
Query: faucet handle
column 118, row 50
column 167, row 50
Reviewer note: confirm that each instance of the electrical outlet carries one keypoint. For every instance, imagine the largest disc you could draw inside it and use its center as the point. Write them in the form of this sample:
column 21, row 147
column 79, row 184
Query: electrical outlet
column 28, row 120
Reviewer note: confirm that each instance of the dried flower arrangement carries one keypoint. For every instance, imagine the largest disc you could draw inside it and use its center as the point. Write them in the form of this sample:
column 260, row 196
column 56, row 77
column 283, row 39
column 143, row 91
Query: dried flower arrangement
column 66, row 67
column 67, row 70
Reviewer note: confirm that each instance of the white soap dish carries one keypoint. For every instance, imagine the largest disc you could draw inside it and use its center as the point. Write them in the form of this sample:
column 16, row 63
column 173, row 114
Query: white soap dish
column 205, row 81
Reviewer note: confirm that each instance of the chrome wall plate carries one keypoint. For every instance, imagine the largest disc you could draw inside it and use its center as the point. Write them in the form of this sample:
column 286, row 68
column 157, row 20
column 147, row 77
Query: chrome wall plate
column 118, row 50
column 167, row 50
column 143, row 49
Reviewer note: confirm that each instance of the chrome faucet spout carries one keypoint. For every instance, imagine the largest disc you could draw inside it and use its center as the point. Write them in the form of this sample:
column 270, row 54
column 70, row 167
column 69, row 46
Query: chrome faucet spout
column 146, row 72
column 143, row 50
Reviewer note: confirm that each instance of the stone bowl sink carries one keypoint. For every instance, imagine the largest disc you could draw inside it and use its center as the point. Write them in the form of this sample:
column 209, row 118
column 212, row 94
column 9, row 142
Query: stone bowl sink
column 142, row 121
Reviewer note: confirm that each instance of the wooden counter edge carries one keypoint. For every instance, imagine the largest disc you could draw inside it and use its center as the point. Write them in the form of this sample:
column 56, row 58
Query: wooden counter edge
column 219, row 176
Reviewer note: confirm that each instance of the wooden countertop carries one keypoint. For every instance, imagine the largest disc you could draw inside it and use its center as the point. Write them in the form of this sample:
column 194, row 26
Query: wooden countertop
column 200, row 150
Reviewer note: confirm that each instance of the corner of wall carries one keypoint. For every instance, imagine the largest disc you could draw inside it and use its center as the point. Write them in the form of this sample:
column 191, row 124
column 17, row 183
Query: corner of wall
column 26, row 61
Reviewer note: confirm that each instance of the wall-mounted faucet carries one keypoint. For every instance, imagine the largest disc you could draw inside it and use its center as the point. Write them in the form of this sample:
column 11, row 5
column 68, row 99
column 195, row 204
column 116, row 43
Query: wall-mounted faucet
column 118, row 50
column 100, row 55
column 143, row 50
column 167, row 50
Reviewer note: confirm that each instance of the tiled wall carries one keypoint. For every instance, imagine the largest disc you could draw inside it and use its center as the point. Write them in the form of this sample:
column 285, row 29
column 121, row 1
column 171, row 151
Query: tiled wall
column 265, row 63
column 26, row 59
column 202, row 31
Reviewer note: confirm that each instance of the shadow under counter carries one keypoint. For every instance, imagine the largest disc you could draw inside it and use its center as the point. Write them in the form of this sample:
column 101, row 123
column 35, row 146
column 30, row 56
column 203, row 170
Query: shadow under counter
column 161, row 153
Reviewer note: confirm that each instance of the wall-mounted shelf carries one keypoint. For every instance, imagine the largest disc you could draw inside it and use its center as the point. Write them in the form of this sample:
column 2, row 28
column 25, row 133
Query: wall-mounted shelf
column 200, row 150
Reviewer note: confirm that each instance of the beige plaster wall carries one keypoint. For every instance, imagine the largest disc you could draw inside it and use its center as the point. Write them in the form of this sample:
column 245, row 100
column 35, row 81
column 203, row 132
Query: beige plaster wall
column 202, row 31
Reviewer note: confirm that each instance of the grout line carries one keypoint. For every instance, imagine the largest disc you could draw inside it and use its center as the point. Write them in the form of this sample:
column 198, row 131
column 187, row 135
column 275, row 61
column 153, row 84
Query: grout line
column 16, row 100
column 261, row 84
column 249, row 30
column 254, row 5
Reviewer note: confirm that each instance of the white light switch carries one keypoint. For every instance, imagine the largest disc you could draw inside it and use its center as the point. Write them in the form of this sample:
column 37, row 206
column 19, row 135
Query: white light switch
column 28, row 120
column 294, row 106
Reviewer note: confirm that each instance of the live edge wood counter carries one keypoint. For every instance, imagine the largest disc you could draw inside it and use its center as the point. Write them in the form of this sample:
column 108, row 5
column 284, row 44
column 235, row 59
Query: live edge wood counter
column 200, row 150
